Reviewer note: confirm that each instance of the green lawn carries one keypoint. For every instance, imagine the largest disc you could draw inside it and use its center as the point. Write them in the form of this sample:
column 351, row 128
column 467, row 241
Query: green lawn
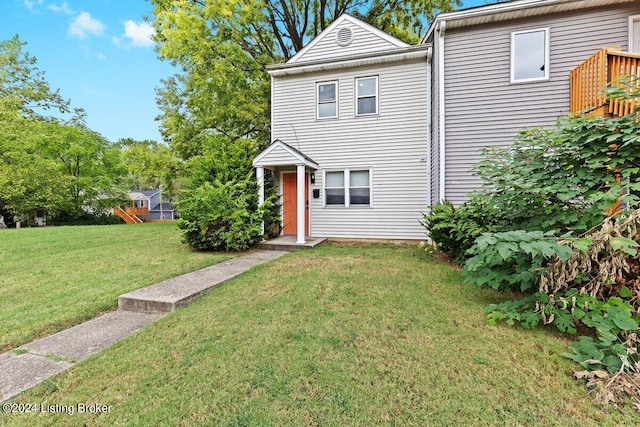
column 336, row 336
column 54, row 277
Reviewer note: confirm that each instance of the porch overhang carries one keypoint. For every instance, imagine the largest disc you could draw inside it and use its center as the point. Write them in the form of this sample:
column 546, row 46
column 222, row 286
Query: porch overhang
column 280, row 154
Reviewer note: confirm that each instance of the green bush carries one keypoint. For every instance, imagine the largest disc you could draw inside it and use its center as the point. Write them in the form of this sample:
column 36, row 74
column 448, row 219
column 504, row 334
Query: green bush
column 219, row 203
column 454, row 230
column 221, row 216
column 83, row 218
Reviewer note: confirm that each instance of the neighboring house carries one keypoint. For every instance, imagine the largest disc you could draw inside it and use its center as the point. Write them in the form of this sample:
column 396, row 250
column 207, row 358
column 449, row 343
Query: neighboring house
column 350, row 125
column 373, row 131
column 501, row 68
column 147, row 205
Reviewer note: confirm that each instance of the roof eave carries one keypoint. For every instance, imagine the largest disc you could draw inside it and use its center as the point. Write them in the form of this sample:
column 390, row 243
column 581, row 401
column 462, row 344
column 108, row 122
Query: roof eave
column 512, row 10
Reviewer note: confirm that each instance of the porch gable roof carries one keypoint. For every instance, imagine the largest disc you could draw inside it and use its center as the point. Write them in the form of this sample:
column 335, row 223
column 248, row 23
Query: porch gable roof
column 281, row 154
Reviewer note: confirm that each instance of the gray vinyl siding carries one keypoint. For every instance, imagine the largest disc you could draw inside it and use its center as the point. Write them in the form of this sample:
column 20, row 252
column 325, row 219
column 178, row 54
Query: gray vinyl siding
column 483, row 108
column 390, row 144
column 363, row 42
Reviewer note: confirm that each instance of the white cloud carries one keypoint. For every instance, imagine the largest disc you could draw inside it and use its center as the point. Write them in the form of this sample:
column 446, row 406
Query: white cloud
column 62, row 8
column 85, row 25
column 140, row 34
column 31, row 4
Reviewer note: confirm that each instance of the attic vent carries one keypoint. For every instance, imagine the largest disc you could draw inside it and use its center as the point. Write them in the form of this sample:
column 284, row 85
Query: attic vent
column 344, row 36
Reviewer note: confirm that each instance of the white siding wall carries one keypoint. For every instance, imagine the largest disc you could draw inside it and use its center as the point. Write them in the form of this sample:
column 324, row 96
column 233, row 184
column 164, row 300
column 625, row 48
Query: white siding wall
column 390, row 144
column 364, row 42
column 483, row 108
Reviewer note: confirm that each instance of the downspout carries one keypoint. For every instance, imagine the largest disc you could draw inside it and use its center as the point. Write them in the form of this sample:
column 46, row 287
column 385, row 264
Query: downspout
column 441, row 125
column 429, row 125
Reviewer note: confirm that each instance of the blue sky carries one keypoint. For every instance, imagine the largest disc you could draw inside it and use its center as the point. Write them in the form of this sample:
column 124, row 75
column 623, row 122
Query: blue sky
column 99, row 54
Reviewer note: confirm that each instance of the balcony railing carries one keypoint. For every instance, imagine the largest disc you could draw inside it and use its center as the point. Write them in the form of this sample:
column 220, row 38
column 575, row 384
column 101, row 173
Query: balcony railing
column 133, row 210
column 609, row 67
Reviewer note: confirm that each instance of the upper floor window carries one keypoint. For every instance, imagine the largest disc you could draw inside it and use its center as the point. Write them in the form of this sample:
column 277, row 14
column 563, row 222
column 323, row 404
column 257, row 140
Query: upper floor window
column 530, row 55
column 366, row 96
column 327, row 100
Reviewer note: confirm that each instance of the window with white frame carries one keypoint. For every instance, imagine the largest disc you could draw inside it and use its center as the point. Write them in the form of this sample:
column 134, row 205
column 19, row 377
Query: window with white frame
column 327, row 100
column 530, row 55
column 348, row 188
column 366, row 96
column 359, row 188
column 334, row 189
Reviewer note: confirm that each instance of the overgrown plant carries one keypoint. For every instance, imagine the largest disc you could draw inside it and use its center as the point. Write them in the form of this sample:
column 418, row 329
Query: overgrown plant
column 570, row 247
column 219, row 203
column 454, row 230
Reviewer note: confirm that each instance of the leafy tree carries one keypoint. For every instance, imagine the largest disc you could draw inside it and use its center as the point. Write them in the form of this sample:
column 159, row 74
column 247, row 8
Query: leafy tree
column 90, row 166
column 55, row 164
column 223, row 47
column 27, row 179
column 150, row 165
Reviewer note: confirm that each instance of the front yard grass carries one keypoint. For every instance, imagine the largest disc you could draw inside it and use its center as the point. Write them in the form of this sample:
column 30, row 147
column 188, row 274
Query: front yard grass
column 336, row 336
column 55, row 277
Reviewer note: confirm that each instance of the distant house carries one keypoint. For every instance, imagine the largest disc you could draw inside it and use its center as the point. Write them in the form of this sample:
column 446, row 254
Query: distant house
column 146, row 205
column 368, row 131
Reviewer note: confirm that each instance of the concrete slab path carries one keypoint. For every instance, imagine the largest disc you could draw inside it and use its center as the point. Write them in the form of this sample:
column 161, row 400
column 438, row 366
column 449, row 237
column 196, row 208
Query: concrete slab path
column 33, row 363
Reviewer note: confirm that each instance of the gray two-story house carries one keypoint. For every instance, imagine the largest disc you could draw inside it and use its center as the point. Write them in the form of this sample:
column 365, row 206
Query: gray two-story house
column 369, row 131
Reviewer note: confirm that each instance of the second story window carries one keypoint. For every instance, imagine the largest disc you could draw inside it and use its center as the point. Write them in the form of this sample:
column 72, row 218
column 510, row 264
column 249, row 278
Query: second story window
column 327, row 100
column 366, row 96
column 530, row 55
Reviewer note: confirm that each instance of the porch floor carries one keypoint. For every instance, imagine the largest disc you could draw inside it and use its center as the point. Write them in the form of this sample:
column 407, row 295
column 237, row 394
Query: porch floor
column 288, row 243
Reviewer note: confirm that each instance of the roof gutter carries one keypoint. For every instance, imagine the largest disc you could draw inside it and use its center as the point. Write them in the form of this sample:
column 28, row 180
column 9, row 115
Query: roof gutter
column 513, row 10
column 375, row 58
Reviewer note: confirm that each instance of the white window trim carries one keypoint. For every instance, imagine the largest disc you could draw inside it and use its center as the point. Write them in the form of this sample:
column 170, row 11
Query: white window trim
column 632, row 20
column 355, row 96
column 347, row 187
column 335, row 82
column 546, row 56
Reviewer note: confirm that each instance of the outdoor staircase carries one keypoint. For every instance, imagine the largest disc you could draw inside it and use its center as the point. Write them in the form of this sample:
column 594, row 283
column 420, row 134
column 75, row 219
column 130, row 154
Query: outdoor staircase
column 128, row 218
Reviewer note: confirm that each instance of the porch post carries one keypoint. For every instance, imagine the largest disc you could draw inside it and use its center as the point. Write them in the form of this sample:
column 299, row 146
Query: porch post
column 301, row 203
column 260, row 176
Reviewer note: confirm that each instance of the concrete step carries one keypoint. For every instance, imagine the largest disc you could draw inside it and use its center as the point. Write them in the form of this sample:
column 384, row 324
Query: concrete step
column 288, row 243
column 180, row 291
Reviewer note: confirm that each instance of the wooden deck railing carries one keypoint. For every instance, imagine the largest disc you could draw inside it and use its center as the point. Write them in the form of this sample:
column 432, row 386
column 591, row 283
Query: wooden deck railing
column 132, row 210
column 608, row 67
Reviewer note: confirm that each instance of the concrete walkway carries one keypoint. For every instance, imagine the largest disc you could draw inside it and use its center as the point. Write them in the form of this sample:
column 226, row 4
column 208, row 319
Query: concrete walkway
column 31, row 364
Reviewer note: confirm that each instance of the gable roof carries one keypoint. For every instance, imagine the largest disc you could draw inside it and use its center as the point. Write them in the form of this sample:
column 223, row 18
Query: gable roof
column 282, row 154
column 164, row 206
column 513, row 9
column 362, row 35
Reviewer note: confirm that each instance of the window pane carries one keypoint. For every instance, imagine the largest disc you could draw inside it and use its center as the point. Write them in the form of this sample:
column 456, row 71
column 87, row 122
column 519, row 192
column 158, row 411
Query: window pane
column 529, row 55
column 359, row 196
column 367, row 87
column 367, row 105
column 327, row 92
column 327, row 110
column 359, row 178
column 335, row 179
column 335, row 196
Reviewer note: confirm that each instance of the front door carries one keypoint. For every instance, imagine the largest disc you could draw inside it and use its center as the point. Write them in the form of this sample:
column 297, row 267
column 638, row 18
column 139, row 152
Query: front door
column 290, row 203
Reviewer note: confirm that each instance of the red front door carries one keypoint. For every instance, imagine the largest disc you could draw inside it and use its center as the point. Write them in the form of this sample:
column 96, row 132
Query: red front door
column 290, row 203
